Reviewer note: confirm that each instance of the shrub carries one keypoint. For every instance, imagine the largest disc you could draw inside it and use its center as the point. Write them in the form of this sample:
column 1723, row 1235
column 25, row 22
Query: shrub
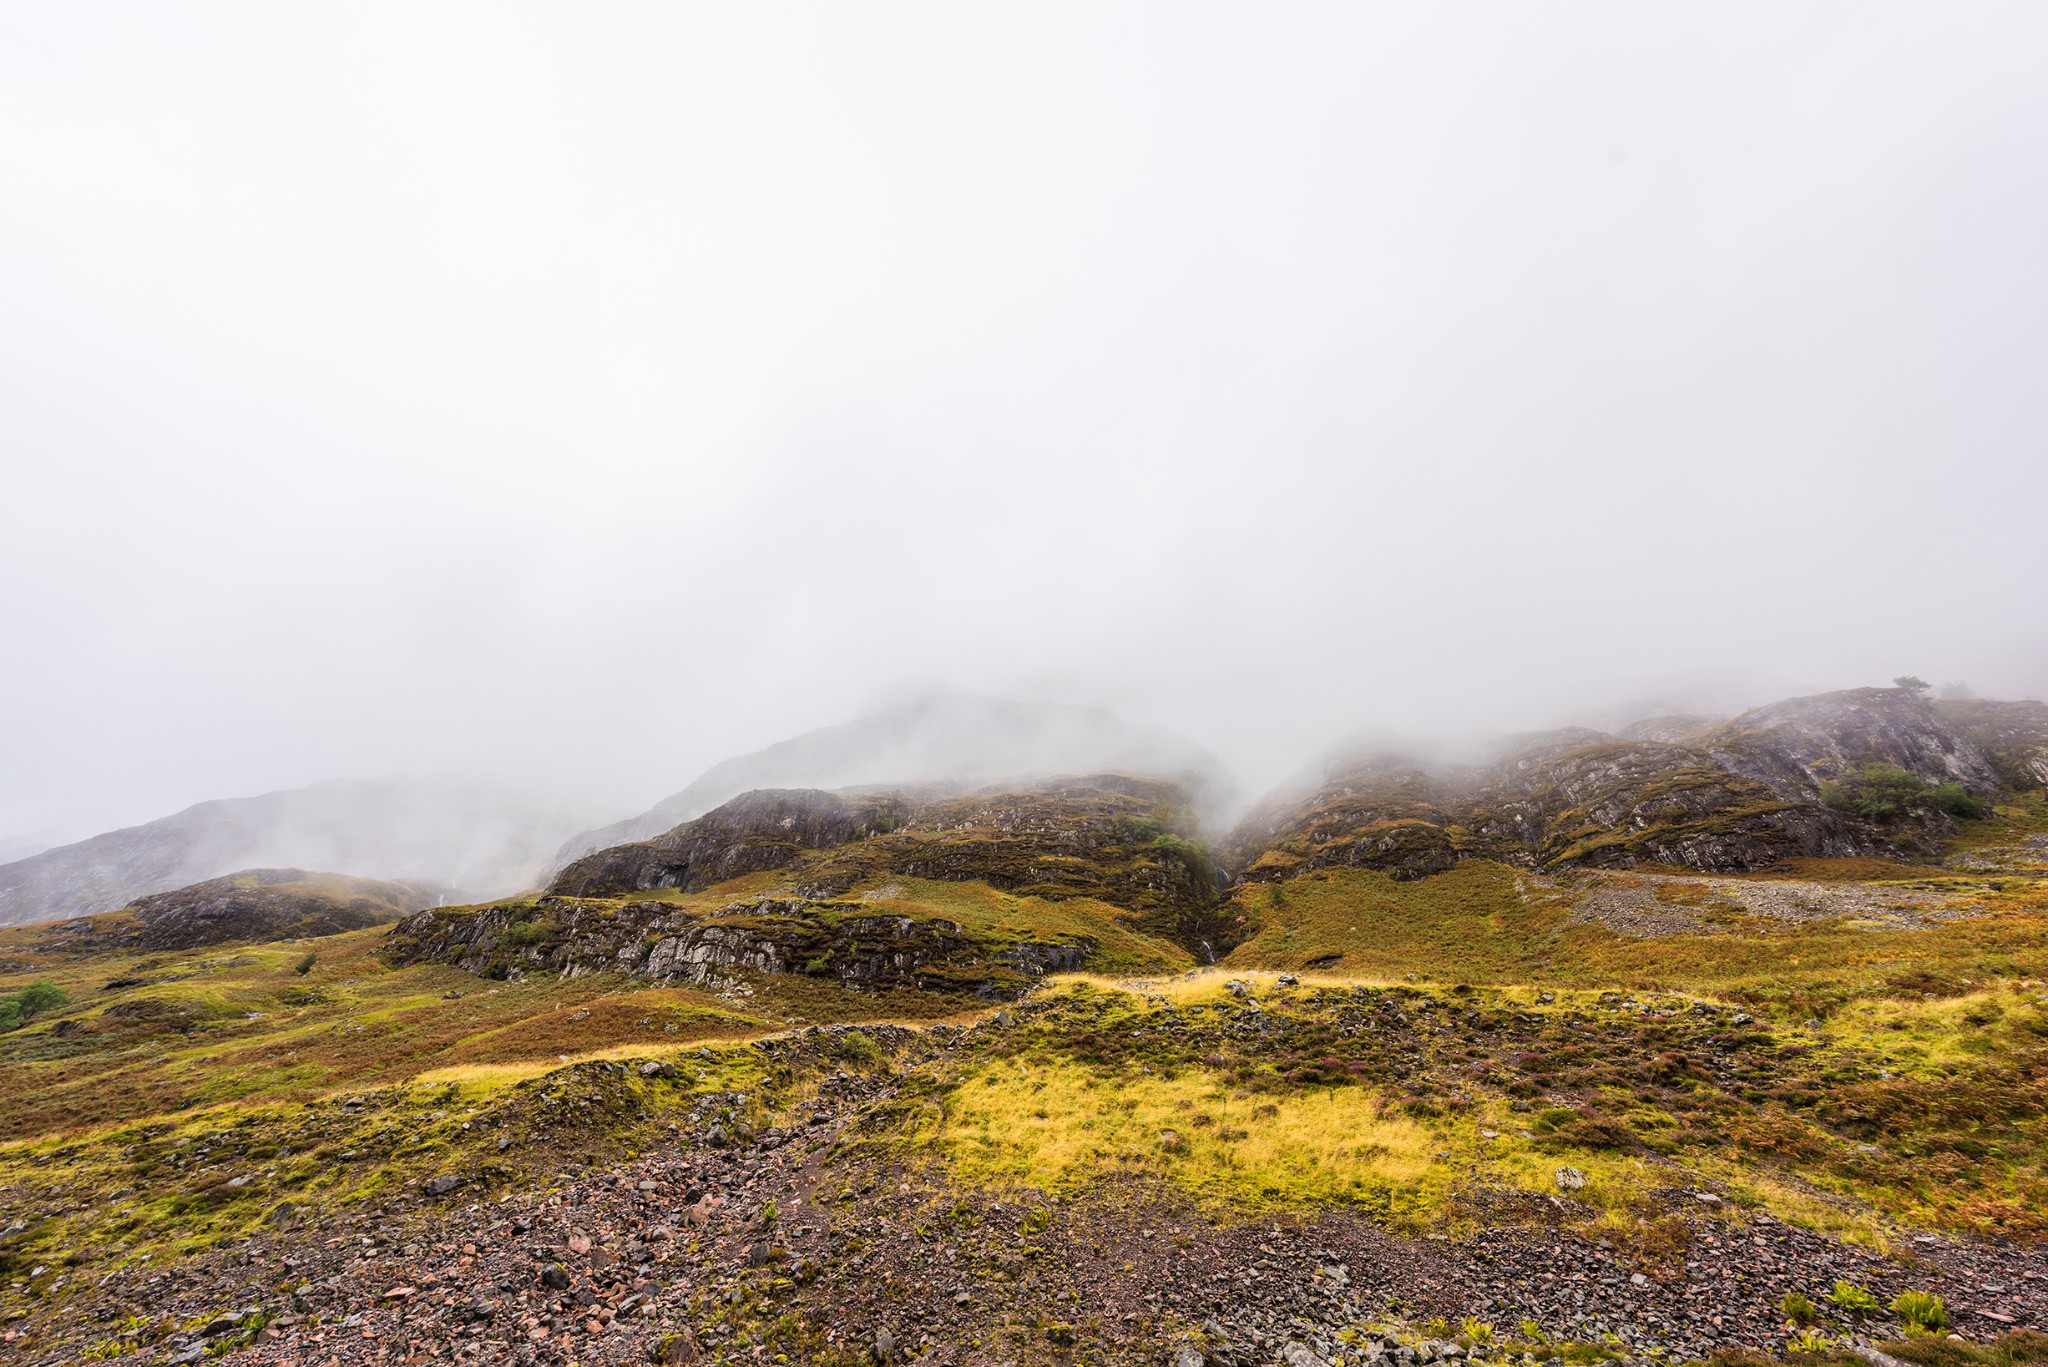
column 1852, row 1298
column 1950, row 798
column 1136, row 830
column 1798, row 1309
column 859, row 1047
column 2015, row 1349
column 31, row 1001
column 305, row 965
column 1885, row 792
column 1920, row 1311
column 522, row 934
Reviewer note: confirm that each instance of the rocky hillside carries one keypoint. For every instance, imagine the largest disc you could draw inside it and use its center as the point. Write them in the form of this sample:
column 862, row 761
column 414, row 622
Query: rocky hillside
column 481, row 843
column 260, row 905
column 1743, row 794
column 2012, row 736
column 966, row 739
column 1795, row 745
column 829, row 894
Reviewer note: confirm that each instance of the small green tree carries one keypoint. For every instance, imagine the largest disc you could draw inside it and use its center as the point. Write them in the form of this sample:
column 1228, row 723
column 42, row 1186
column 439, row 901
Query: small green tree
column 1913, row 683
column 39, row 996
column 19, row 1008
column 305, row 965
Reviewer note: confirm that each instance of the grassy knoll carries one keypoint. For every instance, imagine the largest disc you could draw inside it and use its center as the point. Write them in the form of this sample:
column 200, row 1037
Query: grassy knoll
column 995, row 917
column 151, row 1034
column 1483, row 922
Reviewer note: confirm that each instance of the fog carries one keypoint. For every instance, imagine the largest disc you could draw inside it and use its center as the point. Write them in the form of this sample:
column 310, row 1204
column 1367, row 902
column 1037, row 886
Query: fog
column 566, row 398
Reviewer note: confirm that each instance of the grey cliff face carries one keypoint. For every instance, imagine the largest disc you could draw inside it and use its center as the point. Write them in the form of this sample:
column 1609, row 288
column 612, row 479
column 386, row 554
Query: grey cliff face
column 2013, row 736
column 1795, row 745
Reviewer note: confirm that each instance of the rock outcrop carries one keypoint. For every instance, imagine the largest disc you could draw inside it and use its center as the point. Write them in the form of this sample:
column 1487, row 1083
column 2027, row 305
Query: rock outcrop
column 1796, row 745
column 1743, row 794
column 1124, row 841
column 854, row 942
column 259, row 905
column 754, row 832
column 2012, row 736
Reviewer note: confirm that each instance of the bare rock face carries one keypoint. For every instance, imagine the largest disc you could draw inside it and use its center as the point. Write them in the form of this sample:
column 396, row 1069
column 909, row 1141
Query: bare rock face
column 2013, row 736
column 1621, row 803
column 1795, row 745
column 270, row 904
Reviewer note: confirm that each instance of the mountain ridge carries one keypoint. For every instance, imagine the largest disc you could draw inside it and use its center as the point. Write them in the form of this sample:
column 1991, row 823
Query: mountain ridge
column 478, row 842
column 967, row 739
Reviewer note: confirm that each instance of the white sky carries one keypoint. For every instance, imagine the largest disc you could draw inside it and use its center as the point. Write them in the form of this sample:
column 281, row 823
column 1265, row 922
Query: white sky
column 574, row 395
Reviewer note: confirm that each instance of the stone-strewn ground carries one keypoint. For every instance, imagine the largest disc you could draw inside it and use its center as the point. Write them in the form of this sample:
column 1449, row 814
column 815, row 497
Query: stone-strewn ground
column 1647, row 904
column 778, row 1250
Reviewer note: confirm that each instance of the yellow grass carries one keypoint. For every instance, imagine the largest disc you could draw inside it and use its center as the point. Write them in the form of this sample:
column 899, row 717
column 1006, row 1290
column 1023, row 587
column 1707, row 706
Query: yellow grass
column 1059, row 1128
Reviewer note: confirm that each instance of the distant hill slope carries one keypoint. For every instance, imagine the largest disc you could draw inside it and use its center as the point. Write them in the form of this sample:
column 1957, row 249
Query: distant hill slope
column 1740, row 795
column 479, row 843
column 980, row 892
column 966, row 737
column 258, row 905
column 20, row 847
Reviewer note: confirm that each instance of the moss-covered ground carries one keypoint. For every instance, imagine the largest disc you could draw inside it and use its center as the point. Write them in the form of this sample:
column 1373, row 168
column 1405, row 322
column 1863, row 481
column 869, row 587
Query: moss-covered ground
column 1426, row 1104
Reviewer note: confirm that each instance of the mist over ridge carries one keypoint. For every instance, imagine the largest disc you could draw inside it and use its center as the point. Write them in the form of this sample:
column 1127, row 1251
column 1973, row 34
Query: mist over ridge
column 575, row 404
